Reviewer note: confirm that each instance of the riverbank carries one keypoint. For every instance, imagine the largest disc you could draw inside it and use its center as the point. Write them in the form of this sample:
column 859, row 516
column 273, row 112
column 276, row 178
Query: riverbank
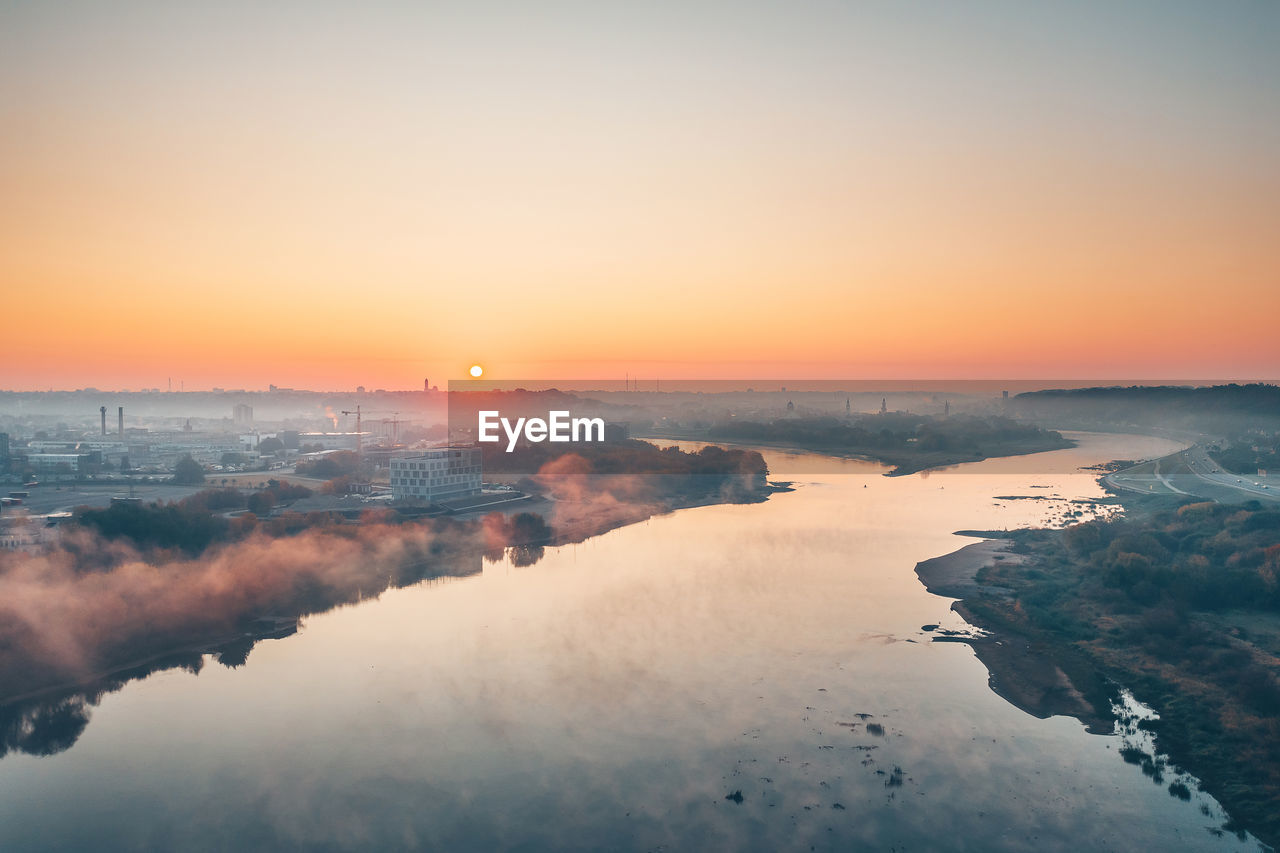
column 575, row 521
column 1170, row 603
column 1024, row 667
column 900, row 462
column 954, row 575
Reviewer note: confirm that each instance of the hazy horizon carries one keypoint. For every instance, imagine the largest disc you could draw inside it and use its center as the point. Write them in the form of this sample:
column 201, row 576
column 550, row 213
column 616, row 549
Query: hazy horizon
column 331, row 196
column 641, row 385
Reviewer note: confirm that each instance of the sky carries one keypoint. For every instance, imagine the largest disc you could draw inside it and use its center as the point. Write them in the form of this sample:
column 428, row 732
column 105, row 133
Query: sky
column 326, row 195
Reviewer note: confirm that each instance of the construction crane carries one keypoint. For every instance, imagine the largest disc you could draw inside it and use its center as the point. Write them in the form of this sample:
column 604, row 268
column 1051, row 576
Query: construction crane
column 359, row 434
column 394, row 420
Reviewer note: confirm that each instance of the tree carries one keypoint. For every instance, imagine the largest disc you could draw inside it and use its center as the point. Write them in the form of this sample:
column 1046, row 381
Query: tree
column 188, row 472
column 528, row 528
column 329, row 466
column 260, row 503
column 270, row 445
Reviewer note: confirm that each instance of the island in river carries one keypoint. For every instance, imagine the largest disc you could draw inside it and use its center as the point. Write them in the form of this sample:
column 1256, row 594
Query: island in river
column 908, row 442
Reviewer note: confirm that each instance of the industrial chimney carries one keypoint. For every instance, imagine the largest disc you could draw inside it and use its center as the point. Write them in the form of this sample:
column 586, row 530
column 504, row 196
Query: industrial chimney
column 121, row 416
column 103, row 409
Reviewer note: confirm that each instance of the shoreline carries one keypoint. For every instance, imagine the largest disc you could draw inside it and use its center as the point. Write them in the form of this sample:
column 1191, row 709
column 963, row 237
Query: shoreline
column 582, row 530
column 1026, row 669
column 895, row 468
column 954, row 575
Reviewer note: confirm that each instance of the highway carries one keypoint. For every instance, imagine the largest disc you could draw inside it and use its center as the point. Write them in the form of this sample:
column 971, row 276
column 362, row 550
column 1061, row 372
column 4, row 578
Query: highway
column 1197, row 460
column 1191, row 472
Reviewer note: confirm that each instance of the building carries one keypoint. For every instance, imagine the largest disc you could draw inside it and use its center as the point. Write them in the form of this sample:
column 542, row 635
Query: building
column 446, row 472
column 332, row 440
column 66, row 463
column 242, row 415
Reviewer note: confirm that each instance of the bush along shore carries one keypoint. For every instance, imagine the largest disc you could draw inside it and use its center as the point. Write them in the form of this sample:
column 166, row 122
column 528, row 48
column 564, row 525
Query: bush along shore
column 1178, row 604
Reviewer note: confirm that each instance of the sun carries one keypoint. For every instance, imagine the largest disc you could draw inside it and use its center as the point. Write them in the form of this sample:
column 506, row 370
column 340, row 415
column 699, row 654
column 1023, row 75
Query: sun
column 476, row 371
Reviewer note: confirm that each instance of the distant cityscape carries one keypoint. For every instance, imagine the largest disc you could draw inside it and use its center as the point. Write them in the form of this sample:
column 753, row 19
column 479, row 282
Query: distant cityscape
column 69, row 452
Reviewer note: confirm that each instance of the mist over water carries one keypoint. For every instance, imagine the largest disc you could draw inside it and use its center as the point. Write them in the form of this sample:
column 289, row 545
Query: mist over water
column 617, row 692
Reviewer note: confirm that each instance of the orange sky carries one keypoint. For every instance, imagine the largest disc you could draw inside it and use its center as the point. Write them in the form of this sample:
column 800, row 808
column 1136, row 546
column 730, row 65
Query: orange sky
column 327, row 197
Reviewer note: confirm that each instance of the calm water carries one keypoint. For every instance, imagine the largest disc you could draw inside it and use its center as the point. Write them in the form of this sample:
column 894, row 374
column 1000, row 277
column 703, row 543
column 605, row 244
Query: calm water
column 612, row 695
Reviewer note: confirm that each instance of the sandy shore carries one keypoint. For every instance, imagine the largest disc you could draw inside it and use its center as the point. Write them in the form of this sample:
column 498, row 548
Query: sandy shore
column 1025, row 670
column 953, row 575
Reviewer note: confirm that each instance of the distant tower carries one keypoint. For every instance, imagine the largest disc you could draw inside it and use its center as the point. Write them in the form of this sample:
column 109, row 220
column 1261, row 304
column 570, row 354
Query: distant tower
column 884, row 405
column 103, row 410
column 1006, row 395
column 187, row 426
column 946, row 408
column 120, row 416
column 847, row 408
column 426, row 385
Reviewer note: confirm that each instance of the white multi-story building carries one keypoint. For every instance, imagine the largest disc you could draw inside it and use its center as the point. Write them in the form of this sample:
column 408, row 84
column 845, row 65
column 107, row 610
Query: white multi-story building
column 72, row 463
column 446, row 472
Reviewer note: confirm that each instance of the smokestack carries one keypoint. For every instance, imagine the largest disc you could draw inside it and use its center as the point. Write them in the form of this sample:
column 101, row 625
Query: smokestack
column 121, row 415
column 103, row 409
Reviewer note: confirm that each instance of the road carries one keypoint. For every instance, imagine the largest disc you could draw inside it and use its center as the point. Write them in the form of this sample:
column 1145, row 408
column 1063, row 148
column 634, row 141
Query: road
column 1191, row 472
column 63, row 497
column 55, row 496
column 1198, row 462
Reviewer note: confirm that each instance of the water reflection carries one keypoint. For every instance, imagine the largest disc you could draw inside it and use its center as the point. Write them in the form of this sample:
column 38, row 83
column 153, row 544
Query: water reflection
column 53, row 720
column 37, row 719
column 46, row 720
column 523, row 556
column 44, row 727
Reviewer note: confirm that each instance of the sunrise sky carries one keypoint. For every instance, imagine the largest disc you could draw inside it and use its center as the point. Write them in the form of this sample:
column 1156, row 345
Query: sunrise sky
column 323, row 195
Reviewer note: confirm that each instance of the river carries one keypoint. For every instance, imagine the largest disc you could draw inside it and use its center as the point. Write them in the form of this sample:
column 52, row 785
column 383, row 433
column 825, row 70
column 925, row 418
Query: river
column 751, row 677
